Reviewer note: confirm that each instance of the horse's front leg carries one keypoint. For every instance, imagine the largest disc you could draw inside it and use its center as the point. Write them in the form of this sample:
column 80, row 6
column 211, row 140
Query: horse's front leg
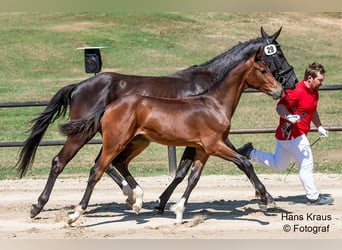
column 248, row 169
column 184, row 165
column 199, row 161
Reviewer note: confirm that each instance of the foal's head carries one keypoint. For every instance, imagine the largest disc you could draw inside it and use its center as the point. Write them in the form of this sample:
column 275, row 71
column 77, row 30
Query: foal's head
column 260, row 77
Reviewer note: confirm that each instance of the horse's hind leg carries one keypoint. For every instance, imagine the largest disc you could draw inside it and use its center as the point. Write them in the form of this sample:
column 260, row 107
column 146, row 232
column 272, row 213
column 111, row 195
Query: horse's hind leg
column 70, row 148
column 122, row 183
column 199, row 162
column 183, row 168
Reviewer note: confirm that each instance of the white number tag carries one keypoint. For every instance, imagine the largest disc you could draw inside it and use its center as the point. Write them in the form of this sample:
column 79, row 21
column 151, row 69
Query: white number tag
column 270, row 49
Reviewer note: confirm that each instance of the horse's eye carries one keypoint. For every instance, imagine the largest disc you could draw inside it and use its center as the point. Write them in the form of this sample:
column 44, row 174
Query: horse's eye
column 263, row 71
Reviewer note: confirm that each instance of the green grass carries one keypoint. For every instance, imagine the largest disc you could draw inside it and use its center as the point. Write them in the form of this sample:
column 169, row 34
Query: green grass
column 39, row 56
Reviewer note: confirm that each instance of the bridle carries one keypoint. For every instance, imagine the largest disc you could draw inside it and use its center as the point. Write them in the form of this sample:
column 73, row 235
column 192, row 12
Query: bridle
column 282, row 75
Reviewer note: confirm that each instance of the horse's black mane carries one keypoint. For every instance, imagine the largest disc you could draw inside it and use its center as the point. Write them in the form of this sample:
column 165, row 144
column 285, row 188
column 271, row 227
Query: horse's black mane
column 223, row 63
column 220, row 65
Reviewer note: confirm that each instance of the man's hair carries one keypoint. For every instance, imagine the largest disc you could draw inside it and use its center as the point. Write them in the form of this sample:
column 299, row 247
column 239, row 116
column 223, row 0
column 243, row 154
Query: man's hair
column 313, row 69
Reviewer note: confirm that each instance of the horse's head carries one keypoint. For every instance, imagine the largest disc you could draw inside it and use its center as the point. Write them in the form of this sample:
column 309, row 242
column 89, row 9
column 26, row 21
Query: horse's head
column 259, row 76
column 276, row 61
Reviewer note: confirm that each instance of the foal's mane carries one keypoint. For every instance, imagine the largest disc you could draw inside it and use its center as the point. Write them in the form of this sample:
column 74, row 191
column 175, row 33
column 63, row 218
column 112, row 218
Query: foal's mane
column 220, row 65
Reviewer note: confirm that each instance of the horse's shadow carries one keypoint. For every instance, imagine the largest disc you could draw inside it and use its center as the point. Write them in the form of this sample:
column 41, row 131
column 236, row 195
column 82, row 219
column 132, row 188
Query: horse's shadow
column 296, row 199
column 219, row 210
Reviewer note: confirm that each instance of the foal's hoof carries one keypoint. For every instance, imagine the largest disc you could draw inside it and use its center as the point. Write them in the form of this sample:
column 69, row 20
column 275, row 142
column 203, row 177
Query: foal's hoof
column 35, row 210
column 262, row 206
column 178, row 209
column 271, row 204
column 77, row 214
column 270, row 201
column 136, row 208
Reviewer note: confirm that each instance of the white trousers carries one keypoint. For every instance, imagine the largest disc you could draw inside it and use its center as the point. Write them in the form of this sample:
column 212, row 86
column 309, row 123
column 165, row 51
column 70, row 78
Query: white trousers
column 297, row 149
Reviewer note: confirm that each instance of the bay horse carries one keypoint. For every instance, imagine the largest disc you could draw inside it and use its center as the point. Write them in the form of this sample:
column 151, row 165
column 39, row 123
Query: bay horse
column 87, row 96
column 202, row 121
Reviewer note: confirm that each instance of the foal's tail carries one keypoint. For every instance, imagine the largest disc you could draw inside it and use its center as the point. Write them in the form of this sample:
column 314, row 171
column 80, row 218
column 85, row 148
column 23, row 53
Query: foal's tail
column 87, row 127
column 56, row 108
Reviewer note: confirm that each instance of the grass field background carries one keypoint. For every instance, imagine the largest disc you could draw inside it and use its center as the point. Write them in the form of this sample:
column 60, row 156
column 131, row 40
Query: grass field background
column 38, row 57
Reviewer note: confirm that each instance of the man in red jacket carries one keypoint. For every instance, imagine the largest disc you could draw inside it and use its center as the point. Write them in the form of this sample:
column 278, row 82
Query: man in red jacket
column 297, row 109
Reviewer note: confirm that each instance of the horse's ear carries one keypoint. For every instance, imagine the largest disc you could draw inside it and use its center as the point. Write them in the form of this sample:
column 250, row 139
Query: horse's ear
column 259, row 54
column 263, row 33
column 275, row 35
column 272, row 38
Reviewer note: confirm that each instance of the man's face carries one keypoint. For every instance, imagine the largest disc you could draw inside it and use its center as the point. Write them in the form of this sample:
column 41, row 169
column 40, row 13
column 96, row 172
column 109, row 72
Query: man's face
column 317, row 81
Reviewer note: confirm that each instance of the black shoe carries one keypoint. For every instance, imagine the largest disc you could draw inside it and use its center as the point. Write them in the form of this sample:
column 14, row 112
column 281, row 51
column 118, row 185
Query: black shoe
column 246, row 150
column 321, row 200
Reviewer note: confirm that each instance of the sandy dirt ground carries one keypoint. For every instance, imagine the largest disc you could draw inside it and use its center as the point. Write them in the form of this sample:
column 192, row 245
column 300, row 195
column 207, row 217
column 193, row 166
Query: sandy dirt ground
column 220, row 207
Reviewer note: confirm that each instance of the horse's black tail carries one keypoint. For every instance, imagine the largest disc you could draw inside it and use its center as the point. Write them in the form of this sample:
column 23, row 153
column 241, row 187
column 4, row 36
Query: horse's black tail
column 87, row 127
column 56, row 108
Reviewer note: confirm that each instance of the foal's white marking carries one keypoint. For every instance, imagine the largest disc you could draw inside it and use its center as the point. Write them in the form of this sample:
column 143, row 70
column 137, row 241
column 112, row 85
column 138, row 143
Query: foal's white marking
column 138, row 194
column 77, row 214
column 127, row 191
column 178, row 209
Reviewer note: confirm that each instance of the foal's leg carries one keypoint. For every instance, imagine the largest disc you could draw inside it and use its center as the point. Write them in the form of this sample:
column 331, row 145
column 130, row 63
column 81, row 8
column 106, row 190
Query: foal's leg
column 249, row 172
column 117, row 178
column 70, row 148
column 95, row 175
column 199, row 161
column 114, row 141
column 223, row 151
column 121, row 162
column 183, row 168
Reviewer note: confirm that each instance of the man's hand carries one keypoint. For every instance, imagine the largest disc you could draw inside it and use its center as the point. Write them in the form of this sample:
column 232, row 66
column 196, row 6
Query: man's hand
column 323, row 133
column 293, row 118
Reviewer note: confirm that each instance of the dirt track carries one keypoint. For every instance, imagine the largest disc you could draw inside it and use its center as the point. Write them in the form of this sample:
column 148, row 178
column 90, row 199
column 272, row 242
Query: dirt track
column 220, row 207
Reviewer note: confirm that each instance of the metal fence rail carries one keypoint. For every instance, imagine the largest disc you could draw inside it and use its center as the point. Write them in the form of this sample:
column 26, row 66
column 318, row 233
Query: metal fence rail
column 171, row 150
column 44, row 103
column 99, row 141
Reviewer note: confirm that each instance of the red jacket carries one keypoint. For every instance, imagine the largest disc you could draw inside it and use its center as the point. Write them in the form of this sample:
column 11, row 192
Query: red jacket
column 301, row 100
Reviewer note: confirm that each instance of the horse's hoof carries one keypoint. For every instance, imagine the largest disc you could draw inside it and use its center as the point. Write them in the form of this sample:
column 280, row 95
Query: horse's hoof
column 136, row 208
column 263, row 207
column 70, row 221
column 178, row 209
column 35, row 210
column 271, row 204
column 270, row 201
column 138, row 194
column 75, row 216
column 158, row 210
column 72, row 218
